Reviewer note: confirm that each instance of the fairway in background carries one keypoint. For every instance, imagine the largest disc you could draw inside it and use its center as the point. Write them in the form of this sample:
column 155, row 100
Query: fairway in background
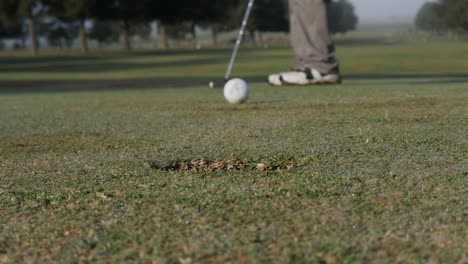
column 362, row 59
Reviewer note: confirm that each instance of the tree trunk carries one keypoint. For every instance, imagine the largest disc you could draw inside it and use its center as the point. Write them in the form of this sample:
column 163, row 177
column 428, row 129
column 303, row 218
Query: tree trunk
column 193, row 32
column 260, row 39
column 32, row 34
column 83, row 38
column 252, row 36
column 214, row 34
column 126, row 35
column 163, row 36
column 24, row 37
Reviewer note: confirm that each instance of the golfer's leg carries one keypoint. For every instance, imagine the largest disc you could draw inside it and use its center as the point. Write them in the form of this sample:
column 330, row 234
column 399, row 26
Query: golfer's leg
column 310, row 39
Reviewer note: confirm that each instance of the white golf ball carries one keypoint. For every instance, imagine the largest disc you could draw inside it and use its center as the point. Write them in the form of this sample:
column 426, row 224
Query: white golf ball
column 236, row 91
column 211, row 84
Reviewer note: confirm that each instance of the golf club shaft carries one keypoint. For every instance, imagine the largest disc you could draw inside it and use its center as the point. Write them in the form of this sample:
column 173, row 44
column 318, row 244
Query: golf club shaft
column 239, row 40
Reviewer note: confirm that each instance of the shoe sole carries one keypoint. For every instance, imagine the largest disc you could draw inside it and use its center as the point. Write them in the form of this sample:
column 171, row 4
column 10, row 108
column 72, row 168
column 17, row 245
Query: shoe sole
column 283, row 83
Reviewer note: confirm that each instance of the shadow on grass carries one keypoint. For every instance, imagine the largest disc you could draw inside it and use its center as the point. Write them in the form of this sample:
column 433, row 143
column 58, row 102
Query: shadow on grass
column 104, row 66
column 404, row 79
column 98, row 85
column 109, row 61
column 367, row 42
column 202, row 81
column 6, row 61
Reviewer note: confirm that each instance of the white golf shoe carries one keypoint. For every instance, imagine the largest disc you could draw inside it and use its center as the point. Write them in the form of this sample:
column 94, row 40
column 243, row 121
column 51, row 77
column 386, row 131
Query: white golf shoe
column 305, row 77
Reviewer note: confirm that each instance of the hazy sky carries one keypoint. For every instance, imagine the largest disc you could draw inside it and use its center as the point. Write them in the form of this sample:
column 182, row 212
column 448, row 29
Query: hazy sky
column 386, row 10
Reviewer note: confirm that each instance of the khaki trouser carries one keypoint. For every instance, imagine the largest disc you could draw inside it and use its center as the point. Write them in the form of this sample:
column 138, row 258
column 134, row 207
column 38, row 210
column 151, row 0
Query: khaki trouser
column 310, row 39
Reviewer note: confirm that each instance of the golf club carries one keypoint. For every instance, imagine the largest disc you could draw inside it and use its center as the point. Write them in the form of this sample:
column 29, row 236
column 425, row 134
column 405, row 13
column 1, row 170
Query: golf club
column 239, row 40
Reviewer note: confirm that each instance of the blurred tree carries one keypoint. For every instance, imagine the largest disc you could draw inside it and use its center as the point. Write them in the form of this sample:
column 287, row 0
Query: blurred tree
column 11, row 30
column 168, row 13
column 450, row 15
column 454, row 14
column 74, row 10
column 179, row 30
column 226, row 13
column 105, row 31
column 126, row 11
column 267, row 15
column 196, row 12
column 142, row 30
column 429, row 17
column 59, row 33
column 12, row 11
column 341, row 17
column 206, row 13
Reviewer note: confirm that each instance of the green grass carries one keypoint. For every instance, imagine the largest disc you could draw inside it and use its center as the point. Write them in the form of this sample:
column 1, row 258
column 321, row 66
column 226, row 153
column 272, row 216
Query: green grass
column 380, row 173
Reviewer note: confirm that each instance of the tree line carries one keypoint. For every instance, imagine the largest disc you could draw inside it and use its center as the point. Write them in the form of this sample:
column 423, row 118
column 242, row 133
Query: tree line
column 443, row 16
column 120, row 19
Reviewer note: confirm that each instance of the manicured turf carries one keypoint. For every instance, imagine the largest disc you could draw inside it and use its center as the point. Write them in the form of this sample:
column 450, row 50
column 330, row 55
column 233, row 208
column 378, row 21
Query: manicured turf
column 371, row 171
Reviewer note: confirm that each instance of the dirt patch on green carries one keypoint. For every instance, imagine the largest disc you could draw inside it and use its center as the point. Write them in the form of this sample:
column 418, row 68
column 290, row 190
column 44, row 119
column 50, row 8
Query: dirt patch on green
column 228, row 165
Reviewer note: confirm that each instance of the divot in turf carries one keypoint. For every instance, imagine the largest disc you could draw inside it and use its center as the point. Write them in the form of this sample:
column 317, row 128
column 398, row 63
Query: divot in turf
column 227, row 165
